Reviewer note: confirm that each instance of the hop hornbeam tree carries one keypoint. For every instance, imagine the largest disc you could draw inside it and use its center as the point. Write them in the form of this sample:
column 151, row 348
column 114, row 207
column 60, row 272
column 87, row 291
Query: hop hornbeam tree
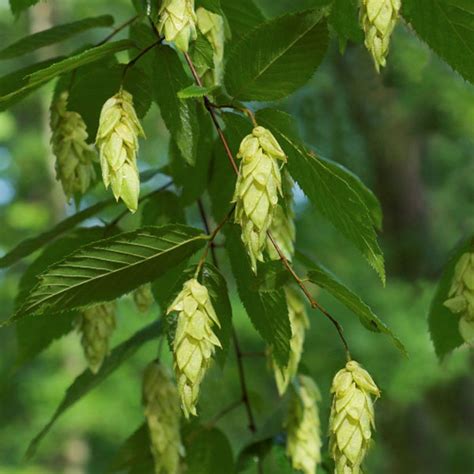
column 215, row 68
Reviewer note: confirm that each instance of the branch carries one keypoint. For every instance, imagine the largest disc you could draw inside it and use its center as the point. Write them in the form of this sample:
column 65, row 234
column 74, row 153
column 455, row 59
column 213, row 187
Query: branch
column 314, row 304
column 142, row 53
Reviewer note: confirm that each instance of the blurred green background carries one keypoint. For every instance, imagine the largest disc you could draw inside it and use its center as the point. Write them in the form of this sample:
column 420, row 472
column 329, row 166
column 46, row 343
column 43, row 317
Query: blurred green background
column 407, row 133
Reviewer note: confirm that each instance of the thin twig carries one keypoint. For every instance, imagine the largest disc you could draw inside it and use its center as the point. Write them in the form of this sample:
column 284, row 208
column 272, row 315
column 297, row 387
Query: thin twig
column 142, row 53
column 117, row 30
column 283, row 259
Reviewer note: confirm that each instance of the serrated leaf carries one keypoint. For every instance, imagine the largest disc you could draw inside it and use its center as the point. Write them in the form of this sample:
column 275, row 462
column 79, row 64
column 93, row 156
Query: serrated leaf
column 163, row 208
column 53, row 35
column 195, row 92
column 28, row 246
column 193, row 179
column 14, row 81
column 88, row 381
column 277, row 57
column 344, row 18
column 266, row 309
column 243, row 16
column 36, row 334
column 447, row 26
column 93, row 87
column 223, row 178
column 208, row 451
column 443, row 324
column 91, row 55
column 334, row 195
column 134, row 456
column 179, row 115
column 107, row 269
column 322, row 277
column 202, row 53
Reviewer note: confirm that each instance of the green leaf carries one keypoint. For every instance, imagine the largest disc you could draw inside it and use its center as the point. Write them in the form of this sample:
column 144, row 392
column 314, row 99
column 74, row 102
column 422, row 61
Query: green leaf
column 107, row 269
column 28, row 246
column 14, row 81
column 43, row 76
column 266, row 309
column 53, row 35
column 223, row 178
column 322, row 277
column 443, row 324
column 344, row 18
column 202, row 53
column 447, row 26
column 134, row 456
column 36, row 334
column 208, row 451
column 277, row 58
column 17, row 6
column 334, row 195
column 255, row 450
column 193, row 179
column 88, row 381
column 195, row 92
column 243, row 16
column 163, row 208
column 179, row 115
column 98, row 83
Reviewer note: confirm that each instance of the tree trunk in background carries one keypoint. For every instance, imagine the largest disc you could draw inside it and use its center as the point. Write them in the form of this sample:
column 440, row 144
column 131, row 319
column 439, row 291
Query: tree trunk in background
column 396, row 151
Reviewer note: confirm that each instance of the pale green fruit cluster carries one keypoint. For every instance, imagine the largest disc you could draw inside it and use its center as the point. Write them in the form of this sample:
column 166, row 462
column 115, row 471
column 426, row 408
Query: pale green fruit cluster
column 283, row 228
column 96, row 325
column 194, row 342
column 74, row 156
column 211, row 25
column 143, row 298
column 177, row 22
column 257, row 189
column 299, row 324
column 461, row 296
column 163, row 413
column 379, row 18
column 352, row 417
column 117, row 139
column 303, row 426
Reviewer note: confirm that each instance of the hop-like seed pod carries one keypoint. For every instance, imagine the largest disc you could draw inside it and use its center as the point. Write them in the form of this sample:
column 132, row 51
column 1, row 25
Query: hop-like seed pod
column 195, row 342
column 378, row 18
column 257, row 189
column 96, row 325
column 143, row 298
column 352, row 417
column 299, row 323
column 211, row 25
column 283, row 228
column 117, row 139
column 461, row 296
column 74, row 156
column 177, row 22
column 162, row 412
column 303, row 426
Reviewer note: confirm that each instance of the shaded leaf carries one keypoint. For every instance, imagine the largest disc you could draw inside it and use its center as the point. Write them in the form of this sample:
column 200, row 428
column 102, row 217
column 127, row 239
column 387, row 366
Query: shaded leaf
column 447, row 26
column 179, row 115
column 243, row 16
column 53, row 35
column 88, row 381
column 443, row 324
column 322, row 277
column 17, row 6
column 277, row 57
column 334, row 195
column 163, row 208
column 266, row 309
column 107, row 269
column 344, row 18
